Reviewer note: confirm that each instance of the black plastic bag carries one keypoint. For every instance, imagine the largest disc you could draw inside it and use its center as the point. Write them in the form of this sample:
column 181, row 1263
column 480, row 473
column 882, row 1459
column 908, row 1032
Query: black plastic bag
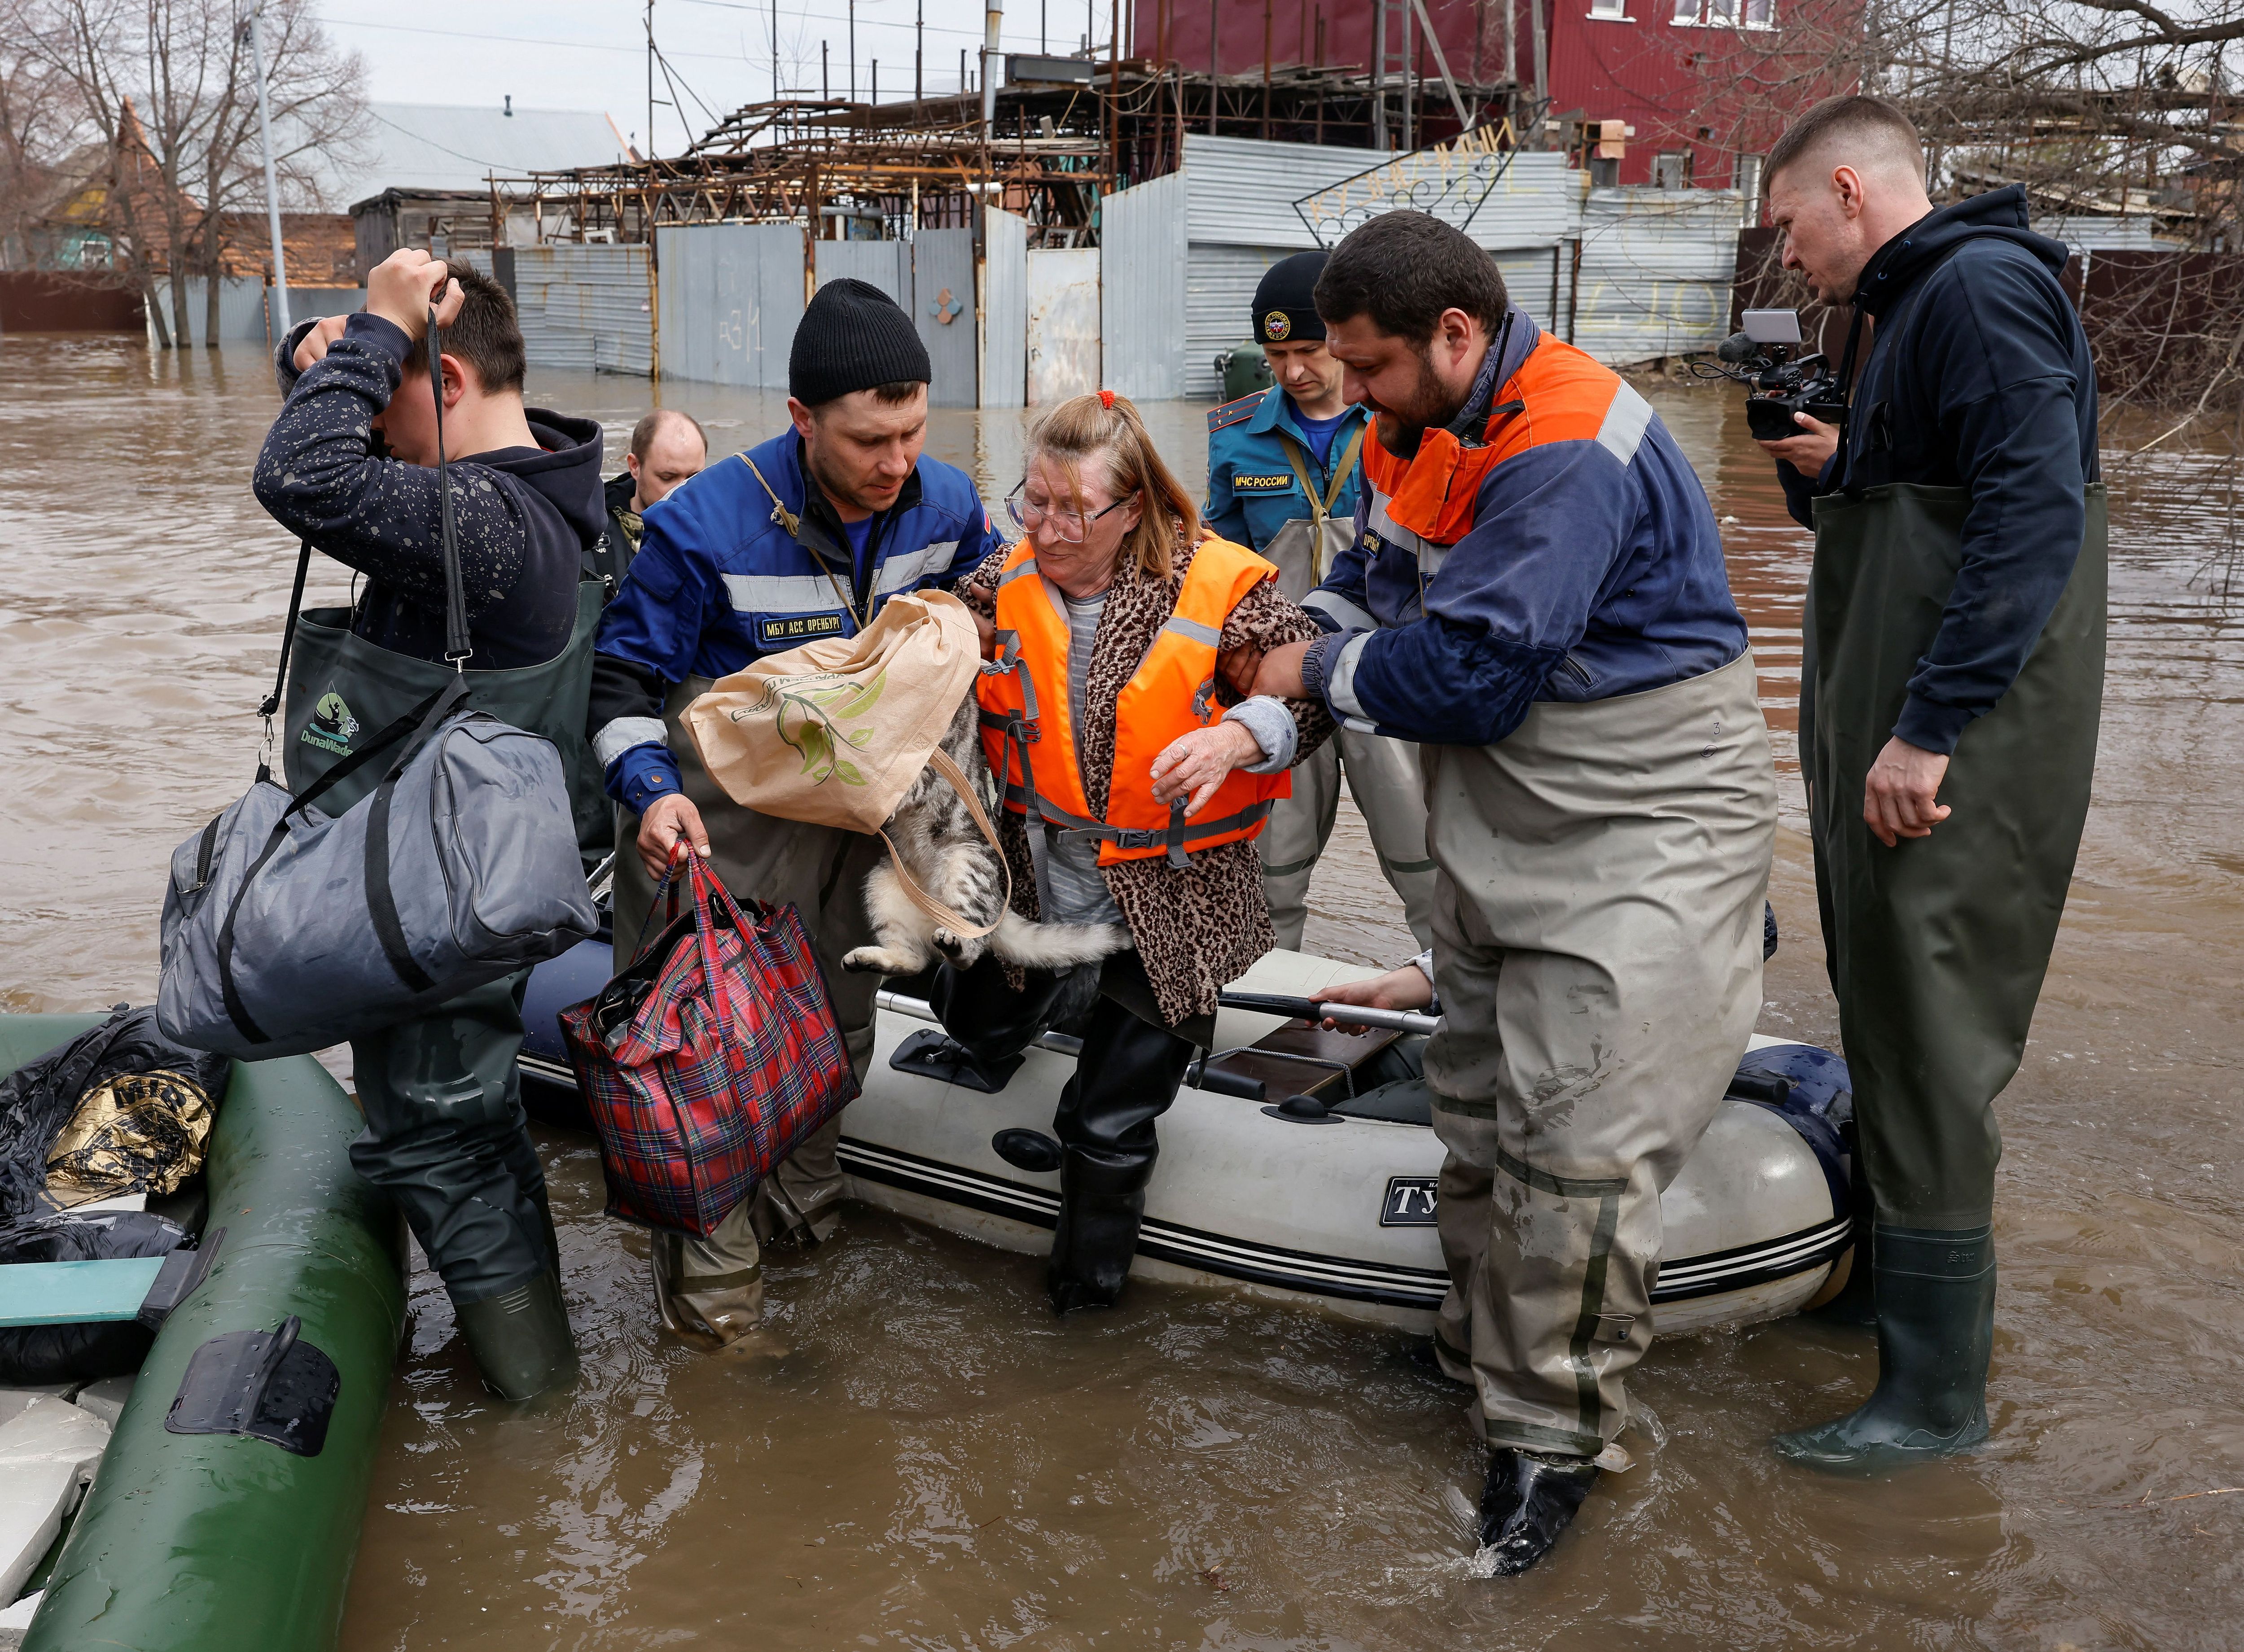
column 34, row 1354
column 41, row 1096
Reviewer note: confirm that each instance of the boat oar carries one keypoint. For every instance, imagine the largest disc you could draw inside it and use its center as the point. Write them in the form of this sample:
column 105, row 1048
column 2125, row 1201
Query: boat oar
column 1311, row 1009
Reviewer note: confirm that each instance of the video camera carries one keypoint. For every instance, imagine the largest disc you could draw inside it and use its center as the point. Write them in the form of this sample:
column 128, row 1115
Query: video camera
column 1783, row 383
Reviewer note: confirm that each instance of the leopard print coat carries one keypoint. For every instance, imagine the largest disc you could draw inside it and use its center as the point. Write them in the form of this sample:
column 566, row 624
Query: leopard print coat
column 1197, row 928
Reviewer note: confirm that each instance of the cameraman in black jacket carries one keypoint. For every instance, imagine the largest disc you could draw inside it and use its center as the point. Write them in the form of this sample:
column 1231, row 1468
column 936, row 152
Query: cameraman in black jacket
column 1949, row 704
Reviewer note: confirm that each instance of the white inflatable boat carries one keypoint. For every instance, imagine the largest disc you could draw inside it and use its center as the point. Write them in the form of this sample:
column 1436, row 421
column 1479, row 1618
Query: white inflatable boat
column 1287, row 1168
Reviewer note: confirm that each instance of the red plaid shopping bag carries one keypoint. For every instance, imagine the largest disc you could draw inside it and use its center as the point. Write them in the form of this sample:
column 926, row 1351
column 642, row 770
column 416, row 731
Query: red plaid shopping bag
column 708, row 1059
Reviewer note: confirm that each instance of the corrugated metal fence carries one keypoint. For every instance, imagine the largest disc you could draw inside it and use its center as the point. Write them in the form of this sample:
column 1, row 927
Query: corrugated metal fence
column 242, row 305
column 732, row 294
column 587, row 307
column 1241, row 217
column 1142, row 289
column 1657, row 267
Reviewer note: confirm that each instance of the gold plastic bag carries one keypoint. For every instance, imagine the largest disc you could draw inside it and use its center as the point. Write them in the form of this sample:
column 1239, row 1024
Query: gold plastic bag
column 139, row 1132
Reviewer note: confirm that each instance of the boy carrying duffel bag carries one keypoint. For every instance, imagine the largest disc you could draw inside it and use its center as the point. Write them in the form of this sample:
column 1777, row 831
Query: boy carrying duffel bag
column 443, row 792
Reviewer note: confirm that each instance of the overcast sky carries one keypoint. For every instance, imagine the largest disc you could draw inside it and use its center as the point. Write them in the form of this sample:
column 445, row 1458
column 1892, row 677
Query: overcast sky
column 592, row 54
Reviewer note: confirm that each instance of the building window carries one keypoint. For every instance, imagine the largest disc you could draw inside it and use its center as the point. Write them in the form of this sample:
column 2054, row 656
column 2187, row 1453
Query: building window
column 1725, row 14
column 1670, row 171
column 1610, row 10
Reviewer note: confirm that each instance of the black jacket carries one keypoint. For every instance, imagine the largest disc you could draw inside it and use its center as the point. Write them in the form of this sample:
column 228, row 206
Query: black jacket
column 611, row 560
column 1980, row 378
column 523, row 517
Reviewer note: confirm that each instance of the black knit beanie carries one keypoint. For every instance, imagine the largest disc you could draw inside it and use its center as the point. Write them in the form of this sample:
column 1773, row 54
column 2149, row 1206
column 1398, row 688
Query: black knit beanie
column 853, row 336
column 1285, row 303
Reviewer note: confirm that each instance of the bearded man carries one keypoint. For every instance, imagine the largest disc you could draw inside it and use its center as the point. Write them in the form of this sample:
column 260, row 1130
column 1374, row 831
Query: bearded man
column 1537, row 596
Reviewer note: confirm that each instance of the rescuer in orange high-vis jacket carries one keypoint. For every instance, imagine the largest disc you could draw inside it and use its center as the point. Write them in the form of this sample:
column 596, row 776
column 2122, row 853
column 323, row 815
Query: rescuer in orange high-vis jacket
column 1136, row 771
column 1029, row 734
column 1536, row 596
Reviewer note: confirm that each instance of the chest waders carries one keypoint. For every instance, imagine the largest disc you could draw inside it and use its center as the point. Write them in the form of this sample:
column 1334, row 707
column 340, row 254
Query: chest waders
column 1382, row 772
column 445, row 1134
column 1937, row 946
column 710, row 1291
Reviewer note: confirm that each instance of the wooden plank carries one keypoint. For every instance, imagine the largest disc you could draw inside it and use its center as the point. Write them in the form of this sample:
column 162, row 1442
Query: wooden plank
column 69, row 1293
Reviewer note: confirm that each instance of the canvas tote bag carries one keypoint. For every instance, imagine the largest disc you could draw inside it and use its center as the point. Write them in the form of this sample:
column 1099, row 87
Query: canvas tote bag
column 835, row 732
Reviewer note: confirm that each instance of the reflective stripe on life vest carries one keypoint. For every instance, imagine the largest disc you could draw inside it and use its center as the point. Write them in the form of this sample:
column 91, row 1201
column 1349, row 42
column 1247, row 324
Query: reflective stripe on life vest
column 1028, row 727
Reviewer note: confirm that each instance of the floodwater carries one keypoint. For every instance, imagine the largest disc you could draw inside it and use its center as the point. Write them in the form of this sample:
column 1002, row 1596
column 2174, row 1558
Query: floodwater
column 924, row 1457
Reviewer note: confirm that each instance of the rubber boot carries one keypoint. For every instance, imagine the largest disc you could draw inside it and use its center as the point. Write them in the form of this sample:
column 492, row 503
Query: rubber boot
column 1935, row 1295
column 1530, row 1499
column 1102, row 1202
column 1855, row 1306
column 520, row 1339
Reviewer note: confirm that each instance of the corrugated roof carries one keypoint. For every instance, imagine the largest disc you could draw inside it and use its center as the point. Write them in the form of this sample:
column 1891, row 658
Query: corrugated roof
column 447, row 146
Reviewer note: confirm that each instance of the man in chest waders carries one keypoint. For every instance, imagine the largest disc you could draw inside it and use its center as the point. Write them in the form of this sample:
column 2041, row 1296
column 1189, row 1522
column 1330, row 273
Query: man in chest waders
column 1283, row 468
column 1544, row 609
column 803, row 537
column 1951, row 688
column 351, row 467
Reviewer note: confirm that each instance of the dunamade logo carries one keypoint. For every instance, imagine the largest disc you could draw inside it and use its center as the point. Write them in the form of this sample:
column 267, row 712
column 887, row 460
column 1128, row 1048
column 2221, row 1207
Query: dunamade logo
column 332, row 727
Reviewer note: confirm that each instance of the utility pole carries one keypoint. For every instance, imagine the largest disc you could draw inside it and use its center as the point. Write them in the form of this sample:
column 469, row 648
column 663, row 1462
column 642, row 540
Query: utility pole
column 1214, row 61
column 919, row 41
column 1379, row 74
column 281, row 321
column 650, row 79
column 993, row 20
column 853, row 51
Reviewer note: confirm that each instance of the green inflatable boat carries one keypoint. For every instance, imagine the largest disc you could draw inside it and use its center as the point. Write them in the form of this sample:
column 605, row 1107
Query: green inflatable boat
column 195, row 1541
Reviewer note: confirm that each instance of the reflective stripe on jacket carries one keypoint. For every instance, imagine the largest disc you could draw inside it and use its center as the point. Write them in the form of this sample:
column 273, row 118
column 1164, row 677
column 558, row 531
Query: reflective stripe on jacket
column 1027, row 728
column 1553, row 543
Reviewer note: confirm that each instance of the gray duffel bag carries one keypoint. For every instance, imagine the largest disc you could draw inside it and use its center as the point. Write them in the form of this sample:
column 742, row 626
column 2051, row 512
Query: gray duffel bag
column 286, row 930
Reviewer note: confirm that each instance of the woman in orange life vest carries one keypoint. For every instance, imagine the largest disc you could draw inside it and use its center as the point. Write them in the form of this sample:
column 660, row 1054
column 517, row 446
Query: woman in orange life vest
column 1136, row 771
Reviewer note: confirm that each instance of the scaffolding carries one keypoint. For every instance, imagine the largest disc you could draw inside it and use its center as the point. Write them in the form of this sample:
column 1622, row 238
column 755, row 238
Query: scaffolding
column 1049, row 153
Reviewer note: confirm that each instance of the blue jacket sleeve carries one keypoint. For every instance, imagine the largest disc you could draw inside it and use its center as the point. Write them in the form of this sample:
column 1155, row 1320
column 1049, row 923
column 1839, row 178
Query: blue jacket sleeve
column 974, row 544
column 653, row 630
column 2017, row 444
column 1225, row 514
column 1507, row 603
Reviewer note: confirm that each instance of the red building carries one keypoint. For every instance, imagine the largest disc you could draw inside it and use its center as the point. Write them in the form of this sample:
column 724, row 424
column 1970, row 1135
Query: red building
column 1701, row 82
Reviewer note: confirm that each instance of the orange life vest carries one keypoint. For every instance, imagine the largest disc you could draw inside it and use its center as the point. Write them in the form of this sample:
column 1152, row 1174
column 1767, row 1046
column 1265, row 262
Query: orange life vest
column 1559, row 394
column 1029, row 733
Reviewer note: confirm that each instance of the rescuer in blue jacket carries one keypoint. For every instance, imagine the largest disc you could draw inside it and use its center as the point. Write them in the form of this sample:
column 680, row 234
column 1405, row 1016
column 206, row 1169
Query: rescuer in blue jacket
column 1283, row 468
column 803, row 537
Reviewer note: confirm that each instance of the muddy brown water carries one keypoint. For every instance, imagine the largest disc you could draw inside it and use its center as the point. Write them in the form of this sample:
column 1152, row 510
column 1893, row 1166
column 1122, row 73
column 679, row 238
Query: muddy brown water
column 928, row 1459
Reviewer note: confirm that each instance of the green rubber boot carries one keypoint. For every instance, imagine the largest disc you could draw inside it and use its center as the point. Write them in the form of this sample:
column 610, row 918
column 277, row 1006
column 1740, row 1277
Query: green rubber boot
column 520, row 1339
column 1936, row 1303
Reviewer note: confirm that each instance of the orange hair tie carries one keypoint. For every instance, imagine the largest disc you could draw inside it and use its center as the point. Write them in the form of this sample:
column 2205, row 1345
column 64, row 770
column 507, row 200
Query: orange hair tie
column 1107, row 400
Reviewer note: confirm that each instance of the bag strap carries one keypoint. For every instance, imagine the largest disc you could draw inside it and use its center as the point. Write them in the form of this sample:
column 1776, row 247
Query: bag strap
column 418, row 721
column 941, row 762
column 272, row 703
column 457, row 645
column 1320, row 506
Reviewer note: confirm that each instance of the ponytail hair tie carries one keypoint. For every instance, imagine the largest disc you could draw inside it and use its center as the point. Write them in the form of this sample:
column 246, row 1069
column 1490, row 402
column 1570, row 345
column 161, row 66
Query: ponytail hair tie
column 1107, row 400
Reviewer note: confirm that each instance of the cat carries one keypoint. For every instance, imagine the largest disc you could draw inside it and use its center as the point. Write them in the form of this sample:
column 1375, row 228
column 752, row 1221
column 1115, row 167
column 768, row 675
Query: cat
column 934, row 834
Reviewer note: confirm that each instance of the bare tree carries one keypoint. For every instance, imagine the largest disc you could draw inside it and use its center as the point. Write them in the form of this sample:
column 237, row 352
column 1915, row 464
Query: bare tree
column 166, row 88
column 38, row 116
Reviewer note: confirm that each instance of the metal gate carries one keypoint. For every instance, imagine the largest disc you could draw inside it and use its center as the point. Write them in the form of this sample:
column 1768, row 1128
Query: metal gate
column 1141, row 300
column 885, row 265
column 1004, row 307
column 942, row 305
column 731, row 299
column 1063, row 333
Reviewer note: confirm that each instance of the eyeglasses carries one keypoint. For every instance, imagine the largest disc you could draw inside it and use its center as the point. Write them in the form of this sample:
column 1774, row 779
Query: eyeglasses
column 1070, row 525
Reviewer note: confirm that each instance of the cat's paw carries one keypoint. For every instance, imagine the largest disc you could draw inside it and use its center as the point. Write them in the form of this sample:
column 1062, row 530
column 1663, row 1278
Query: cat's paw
column 877, row 960
column 961, row 950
